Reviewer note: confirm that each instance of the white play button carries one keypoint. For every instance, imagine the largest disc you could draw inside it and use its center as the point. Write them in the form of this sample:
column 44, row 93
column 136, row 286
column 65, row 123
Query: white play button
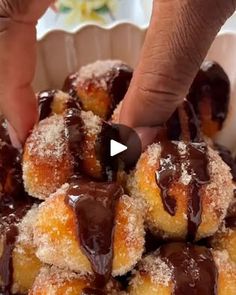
column 116, row 148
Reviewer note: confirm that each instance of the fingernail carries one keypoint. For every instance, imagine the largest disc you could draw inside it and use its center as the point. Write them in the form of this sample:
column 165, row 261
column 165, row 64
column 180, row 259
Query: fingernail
column 147, row 135
column 13, row 136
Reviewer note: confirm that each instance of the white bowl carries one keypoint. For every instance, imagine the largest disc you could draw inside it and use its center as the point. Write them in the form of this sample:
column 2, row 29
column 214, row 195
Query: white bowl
column 223, row 51
column 135, row 11
column 60, row 53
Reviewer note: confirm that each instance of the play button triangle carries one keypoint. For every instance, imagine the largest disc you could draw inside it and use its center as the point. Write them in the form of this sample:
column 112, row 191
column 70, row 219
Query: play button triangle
column 116, row 148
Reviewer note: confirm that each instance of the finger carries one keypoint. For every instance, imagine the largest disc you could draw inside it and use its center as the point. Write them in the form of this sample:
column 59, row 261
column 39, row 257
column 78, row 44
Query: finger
column 177, row 41
column 13, row 136
column 146, row 135
column 26, row 11
column 17, row 63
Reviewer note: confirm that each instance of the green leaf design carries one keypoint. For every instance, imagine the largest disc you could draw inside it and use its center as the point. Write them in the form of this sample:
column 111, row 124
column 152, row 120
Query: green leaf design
column 64, row 9
column 103, row 9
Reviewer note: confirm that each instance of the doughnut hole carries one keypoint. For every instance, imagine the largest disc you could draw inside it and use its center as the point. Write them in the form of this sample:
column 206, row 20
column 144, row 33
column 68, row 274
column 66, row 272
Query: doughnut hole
column 47, row 162
column 92, row 149
column 55, row 281
column 225, row 239
column 23, row 255
column 215, row 196
column 56, row 239
column 100, row 86
column 155, row 276
column 226, row 273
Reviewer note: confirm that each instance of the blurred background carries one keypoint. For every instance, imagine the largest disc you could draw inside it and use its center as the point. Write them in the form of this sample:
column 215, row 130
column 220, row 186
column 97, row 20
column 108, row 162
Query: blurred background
column 71, row 14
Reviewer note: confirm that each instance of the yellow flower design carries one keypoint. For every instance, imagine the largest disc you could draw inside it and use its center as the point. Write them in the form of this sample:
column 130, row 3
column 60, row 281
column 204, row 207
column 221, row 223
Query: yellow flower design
column 86, row 10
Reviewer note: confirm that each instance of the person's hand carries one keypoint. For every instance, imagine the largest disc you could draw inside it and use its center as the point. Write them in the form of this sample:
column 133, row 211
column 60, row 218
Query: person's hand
column 18, row 19
column 180, row 34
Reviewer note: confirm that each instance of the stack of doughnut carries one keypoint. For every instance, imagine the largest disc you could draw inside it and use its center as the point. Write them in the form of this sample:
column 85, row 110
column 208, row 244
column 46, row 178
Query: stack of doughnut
column 72, row 221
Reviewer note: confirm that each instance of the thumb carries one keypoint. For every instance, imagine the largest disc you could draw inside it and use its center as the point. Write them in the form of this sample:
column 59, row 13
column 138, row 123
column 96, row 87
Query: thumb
column 180, row 34
column 17, row 63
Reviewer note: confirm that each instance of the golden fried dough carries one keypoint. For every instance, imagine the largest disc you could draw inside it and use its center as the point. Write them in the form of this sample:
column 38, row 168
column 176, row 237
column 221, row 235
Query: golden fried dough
column 215, row 196
column 57, row 243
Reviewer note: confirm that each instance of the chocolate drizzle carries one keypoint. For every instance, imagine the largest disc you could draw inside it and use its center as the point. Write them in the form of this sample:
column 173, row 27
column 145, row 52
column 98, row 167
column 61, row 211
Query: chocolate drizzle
column 94, row 207
column 195, row 161
column 211, row 83
column 118, row 83
column 12, row 210
column 92, row 291
column 73, row 122
column 169, row 171
column 45, row 99
column 13, row 206
column 194, row 269
column 10, row 171
column 174, row 131
column 193, row 123
column 75, row 133
column 230, row 220
column 183, row 124
column 198, row 168
column 109, row 164
column 69, row 84
column 6, row 267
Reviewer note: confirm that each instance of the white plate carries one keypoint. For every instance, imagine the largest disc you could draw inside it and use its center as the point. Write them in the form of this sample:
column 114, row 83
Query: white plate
column 60, row 53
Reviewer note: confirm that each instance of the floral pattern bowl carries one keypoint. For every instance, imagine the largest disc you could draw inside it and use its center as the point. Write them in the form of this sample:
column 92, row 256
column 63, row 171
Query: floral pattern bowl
column 83, row 10
column 69, row 15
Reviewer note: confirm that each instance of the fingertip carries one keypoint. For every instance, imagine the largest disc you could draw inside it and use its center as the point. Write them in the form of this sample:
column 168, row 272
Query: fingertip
column 13, row 136
column 26, row 124
column 21, row 113
column 147, row 135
